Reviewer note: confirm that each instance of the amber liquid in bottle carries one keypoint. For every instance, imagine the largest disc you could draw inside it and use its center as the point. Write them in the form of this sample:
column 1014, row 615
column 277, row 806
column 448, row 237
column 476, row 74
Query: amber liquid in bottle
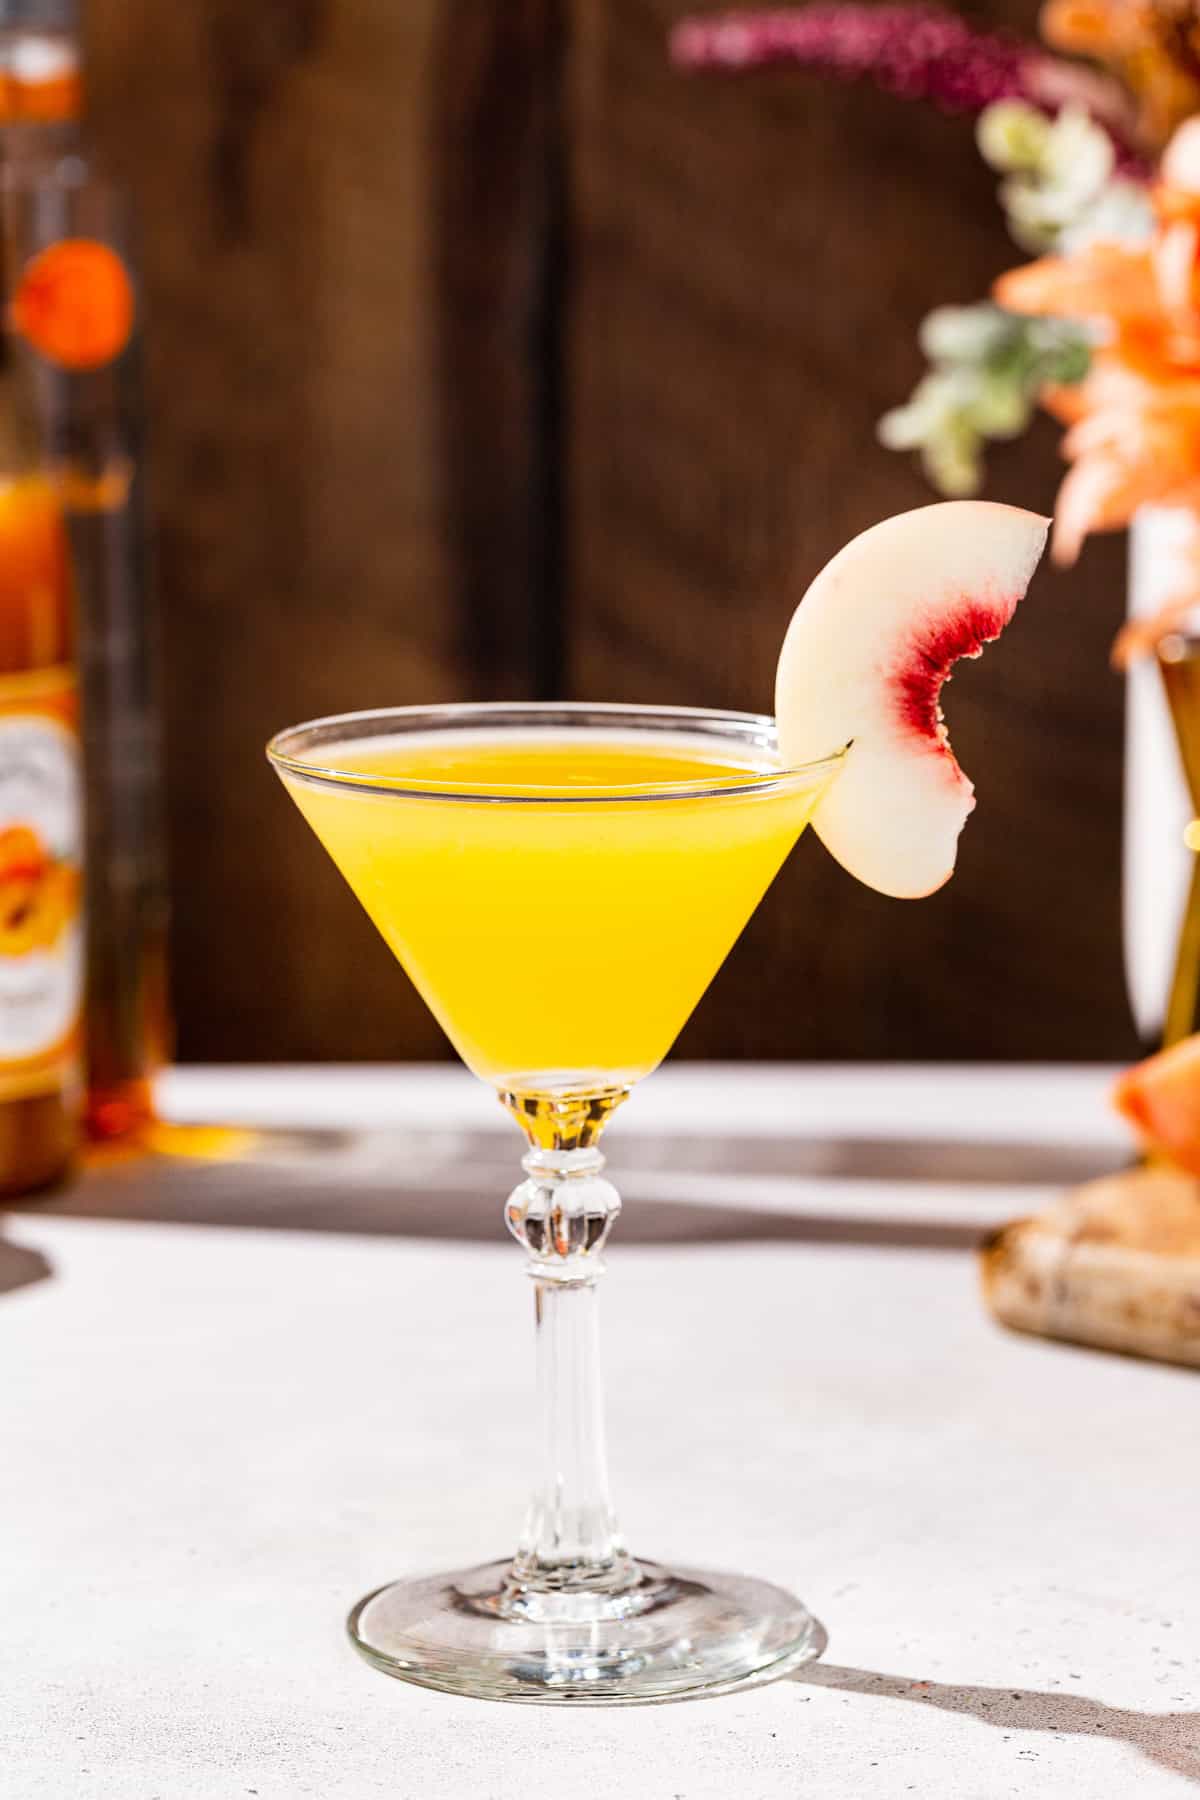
column 41, row 954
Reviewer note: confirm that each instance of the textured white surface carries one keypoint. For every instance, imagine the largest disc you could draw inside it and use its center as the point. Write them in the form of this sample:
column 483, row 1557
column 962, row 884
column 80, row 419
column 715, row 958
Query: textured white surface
column 213, row 1440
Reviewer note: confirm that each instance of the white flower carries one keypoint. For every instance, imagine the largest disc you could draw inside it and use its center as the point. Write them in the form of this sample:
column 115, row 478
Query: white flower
column 1012, row 135
column 963, row 333
column 1078, row 158
column 1060, row 189
column 1122, row 214
column 939, row 421
column 987, row 369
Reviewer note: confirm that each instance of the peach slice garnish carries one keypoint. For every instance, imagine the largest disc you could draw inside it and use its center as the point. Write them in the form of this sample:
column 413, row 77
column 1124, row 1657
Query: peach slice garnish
column 863, row 665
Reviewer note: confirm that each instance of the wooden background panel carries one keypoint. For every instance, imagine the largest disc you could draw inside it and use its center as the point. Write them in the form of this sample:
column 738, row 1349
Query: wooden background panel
column 750, row 258
column 341, row 433
column 414, row 276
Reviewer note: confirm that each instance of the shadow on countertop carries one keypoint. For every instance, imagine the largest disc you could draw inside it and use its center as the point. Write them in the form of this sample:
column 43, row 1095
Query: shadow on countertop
column 1170, row 1740
column 20, row 1266
column 450, row 1184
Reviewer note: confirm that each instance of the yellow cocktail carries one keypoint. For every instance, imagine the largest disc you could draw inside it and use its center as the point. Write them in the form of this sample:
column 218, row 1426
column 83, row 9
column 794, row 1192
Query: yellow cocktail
column 561, row 942
column 562, row 883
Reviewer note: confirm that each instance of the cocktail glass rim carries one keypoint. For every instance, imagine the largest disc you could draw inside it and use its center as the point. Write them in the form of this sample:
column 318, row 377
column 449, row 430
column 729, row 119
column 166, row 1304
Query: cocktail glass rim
column 286, row 750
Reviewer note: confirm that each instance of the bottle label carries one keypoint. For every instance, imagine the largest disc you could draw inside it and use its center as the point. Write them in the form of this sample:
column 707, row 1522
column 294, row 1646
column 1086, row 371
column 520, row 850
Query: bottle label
column 41, row 881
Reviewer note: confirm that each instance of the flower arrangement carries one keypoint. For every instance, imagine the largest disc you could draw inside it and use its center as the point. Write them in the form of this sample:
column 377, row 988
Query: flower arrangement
column 1099, row 166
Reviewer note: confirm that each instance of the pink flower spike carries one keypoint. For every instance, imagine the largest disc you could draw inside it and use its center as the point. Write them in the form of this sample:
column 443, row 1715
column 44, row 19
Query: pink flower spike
column 918, row 52
column 912, row 49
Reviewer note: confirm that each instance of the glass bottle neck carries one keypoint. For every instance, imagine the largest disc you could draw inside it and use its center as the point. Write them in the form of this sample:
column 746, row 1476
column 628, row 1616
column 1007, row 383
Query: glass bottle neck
column 21, row 447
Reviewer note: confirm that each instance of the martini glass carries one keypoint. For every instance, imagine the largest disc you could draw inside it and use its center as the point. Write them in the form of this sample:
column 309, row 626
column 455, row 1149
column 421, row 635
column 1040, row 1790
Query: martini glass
column 562, row 882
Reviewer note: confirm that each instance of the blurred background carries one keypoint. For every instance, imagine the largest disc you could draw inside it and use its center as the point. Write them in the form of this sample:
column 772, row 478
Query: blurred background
column 490, row 356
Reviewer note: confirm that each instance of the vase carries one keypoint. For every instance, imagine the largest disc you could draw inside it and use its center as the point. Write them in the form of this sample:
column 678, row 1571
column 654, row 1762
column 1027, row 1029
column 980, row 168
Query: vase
column 1161, row 895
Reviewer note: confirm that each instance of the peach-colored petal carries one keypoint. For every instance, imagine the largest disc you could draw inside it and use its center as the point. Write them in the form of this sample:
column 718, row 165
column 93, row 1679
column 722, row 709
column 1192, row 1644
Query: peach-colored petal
column 1078, row 25
column 1174, row 203
column 1105, row 281
column 1139, row 352
column 1180, row 166
column 1174, row 256
column 1183, row 346
column 1128, row 374
column 1099, row 494
column 1127, row 436
column 1064, row 403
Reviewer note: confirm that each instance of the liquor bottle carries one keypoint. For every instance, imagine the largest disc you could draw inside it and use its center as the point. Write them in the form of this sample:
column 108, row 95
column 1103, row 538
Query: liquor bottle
column 41, row 806
column 66, row 243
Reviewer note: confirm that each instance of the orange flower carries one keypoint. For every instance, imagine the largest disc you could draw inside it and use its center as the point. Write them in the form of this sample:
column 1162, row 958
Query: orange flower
column 1153, row 46
column 1103, row 282
column 1133, row 436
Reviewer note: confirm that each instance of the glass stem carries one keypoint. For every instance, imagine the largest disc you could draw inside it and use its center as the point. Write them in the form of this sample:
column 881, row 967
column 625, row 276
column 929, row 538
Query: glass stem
column 570, row 1532
column 562, row 1214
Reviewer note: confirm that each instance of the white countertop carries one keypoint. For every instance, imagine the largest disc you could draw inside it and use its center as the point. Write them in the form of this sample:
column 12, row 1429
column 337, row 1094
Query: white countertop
column 214, row 1436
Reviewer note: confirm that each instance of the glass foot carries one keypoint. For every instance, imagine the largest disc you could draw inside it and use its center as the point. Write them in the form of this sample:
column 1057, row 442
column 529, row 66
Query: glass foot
column 669, row 1635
